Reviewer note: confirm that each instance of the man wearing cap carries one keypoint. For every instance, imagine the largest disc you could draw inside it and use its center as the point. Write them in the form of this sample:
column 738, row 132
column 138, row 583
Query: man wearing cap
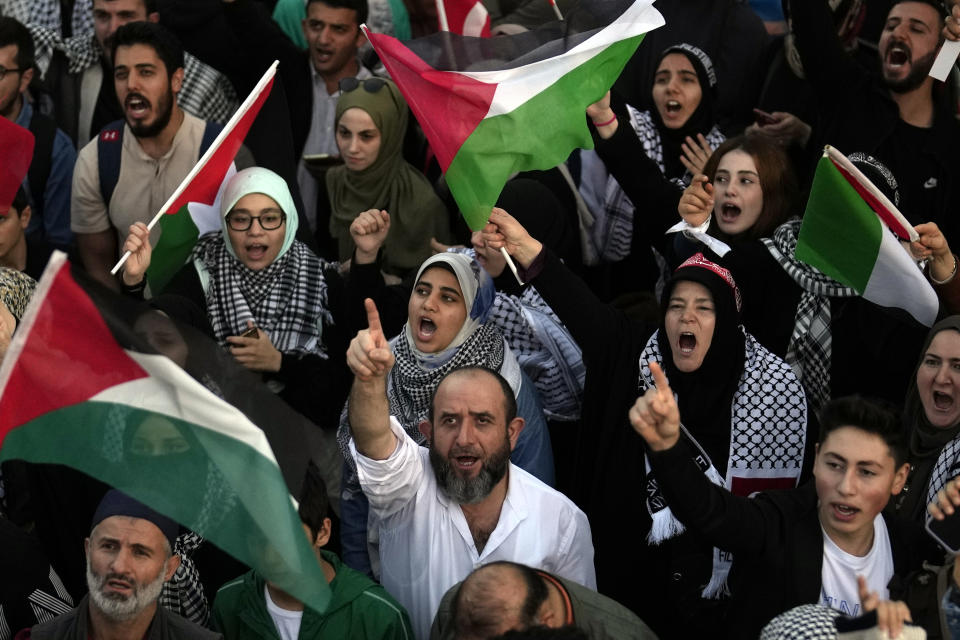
column 129, row 557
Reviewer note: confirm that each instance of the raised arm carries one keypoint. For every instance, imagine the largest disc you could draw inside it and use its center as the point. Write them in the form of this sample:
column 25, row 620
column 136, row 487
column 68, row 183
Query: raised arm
column 740, row 525
column 370, row 359
column 599, row 329
column 825, row 62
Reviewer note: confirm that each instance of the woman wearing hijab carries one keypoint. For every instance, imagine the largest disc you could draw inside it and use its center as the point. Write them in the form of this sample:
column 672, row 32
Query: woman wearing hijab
column 932, row 416
column 264, row 292
column 742, row 399
column 446, row 328
column 672, row 141
column 371, row 121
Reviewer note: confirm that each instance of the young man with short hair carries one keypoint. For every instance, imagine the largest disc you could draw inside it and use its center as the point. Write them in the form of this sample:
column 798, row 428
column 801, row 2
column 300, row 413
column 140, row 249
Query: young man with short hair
column 805, row 545
column 251, row 607
column 155, row 146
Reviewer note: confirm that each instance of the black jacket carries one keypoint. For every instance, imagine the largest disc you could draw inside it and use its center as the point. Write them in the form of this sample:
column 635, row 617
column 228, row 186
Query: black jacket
column 775, row 538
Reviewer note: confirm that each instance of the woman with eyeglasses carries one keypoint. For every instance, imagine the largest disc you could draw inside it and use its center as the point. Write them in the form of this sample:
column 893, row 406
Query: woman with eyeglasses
column 264, row 292
column 371, row 120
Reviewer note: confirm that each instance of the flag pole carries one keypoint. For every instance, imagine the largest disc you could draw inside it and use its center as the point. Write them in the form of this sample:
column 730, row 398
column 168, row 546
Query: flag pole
column 556, row 10
column 442, row 15
column 835, row 155
column 227, row 129
column 513, row 267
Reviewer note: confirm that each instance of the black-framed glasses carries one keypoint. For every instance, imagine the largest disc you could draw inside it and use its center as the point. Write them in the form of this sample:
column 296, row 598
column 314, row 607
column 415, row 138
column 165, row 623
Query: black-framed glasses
column 4, row 71
column 370, row 85
column 268, row 221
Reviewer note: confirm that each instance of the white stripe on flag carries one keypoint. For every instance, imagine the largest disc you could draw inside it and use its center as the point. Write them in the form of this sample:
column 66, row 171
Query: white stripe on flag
column 536, row 77
column 172, row 392
column 897, row 282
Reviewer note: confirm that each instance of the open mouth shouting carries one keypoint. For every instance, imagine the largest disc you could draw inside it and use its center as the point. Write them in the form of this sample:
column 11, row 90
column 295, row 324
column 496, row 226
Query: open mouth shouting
column 898, row 55
column 426, row 329
column 729, row 212
column 136, row 105
column 256, row 251
column 673, row 106
column 687, row 342
column 843, row 512
column 942, row 401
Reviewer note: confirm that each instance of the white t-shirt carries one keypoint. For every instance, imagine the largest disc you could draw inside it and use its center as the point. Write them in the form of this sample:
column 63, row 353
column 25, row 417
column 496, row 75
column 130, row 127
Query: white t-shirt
column 840, row 571
column 286, row 622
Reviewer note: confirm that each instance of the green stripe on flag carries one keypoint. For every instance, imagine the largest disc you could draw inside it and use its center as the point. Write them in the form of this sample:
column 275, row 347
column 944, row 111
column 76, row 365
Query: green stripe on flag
column 840, row 234
column 188, row 473
column 539, row 134
column 177, row 237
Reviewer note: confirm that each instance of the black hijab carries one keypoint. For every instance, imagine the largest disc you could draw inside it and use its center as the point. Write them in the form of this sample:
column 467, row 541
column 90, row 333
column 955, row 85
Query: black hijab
column 926, row 440
column 702, row 120
column 705, row 396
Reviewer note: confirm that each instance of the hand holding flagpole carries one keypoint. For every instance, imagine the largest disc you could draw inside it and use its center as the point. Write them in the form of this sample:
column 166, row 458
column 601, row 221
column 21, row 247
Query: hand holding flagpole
column 240, row 121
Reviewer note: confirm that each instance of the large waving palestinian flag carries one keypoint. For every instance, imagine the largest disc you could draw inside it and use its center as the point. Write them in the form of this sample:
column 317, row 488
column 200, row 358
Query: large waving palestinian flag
column 100, row 384
column 491, row 107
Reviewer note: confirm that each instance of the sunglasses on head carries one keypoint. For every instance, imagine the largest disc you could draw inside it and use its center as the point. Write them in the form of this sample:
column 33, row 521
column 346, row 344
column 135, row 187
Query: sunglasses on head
column 370, row 85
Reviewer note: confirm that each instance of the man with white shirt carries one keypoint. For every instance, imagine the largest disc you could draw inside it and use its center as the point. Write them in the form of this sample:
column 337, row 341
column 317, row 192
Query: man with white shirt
column 442, row 512
column 805, row 545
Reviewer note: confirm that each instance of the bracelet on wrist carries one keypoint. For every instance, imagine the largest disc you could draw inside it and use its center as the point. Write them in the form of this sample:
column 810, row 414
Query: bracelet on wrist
column 949, row 277
column 603, row 124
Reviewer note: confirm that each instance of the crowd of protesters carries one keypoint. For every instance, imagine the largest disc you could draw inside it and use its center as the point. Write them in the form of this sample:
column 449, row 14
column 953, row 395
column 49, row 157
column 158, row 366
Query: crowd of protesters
column 622, row 409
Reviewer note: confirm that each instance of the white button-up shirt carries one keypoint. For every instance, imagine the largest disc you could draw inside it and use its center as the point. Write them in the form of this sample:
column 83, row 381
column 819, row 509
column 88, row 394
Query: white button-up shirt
column 425, row 543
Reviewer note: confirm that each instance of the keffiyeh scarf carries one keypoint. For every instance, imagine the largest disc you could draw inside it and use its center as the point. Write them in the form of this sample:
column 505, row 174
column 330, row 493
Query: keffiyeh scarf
column 287, row 299
column 768, row 433
column 810, row 349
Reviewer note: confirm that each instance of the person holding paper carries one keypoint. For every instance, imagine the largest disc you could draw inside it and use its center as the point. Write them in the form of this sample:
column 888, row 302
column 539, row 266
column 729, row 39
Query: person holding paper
column 894, row 116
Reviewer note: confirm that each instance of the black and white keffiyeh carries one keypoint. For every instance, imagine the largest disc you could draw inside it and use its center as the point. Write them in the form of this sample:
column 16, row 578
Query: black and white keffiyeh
column 206, row 93
column 946, row 468
column 613, row 226
column 768, row 432
column 545, row 350
column 287, row 299
column 810, row 349
column 183, row 592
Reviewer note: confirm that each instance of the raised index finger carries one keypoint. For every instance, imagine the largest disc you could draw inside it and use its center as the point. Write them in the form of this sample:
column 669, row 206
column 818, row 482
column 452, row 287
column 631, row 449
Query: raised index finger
column 660, row 379
column 373, row 316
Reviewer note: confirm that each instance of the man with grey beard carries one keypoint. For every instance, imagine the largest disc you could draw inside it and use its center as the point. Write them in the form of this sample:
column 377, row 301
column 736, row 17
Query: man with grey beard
column 475, row 507
column 129, row 557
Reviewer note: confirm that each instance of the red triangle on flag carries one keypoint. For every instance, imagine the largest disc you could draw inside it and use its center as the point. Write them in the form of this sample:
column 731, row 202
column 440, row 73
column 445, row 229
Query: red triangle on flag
column 17, row 144
column 67, row 356
column 448, row 105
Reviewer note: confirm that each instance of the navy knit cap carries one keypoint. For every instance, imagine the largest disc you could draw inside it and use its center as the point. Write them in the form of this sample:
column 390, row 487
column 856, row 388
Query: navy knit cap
column 117, row 503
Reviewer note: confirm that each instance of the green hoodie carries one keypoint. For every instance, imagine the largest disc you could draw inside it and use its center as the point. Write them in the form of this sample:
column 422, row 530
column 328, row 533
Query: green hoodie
column 359, row 609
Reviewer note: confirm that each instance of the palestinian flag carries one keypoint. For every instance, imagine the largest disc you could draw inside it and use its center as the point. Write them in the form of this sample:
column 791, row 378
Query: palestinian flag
column 17, row 144
column 464, row 17
column 852, row 233
column 194, row 208
column 491, row 107
column 100, row 383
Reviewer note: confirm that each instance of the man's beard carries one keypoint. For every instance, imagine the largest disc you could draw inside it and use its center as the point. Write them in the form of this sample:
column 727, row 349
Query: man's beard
column 919, row 69
column 164, row 111
column 120, row 607
column 470, row 490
